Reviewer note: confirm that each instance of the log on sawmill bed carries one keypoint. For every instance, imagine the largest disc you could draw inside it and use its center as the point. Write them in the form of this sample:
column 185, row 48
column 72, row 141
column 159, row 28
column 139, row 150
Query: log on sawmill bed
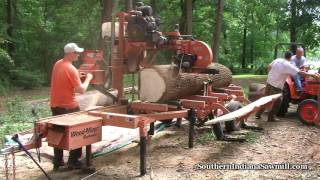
column 162, row 82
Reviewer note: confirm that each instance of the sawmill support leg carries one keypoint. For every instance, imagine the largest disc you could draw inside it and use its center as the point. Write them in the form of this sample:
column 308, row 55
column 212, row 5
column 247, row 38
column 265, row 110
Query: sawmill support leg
column 88, row 155
column 179, row 121
column 151, row 130
column 143, row 155
column 192, row 120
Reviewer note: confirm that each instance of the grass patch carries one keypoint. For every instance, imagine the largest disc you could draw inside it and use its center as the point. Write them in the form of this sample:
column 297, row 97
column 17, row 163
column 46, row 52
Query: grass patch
column 246, row 91
column 18, row 116
column 205, row 137
column 252, row 137
column 128, row 79
column 251, row 76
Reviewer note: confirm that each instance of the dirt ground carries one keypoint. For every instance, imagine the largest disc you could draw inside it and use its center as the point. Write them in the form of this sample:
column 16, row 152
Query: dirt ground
column 284, row 141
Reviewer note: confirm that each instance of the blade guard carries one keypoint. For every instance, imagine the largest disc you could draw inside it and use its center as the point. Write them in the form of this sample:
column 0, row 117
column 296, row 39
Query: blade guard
column 92, row 62
column 198, row 48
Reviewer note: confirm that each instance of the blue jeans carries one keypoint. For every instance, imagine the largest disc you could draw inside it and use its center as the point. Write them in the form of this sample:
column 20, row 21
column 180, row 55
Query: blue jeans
column 297, row 82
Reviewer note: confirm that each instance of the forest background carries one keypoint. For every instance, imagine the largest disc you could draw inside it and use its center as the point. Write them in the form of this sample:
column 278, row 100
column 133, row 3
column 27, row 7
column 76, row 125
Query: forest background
column 33, row 32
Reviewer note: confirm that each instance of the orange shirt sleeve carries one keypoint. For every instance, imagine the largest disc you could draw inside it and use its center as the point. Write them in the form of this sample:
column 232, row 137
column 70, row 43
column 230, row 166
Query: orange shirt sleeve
column 73, row 77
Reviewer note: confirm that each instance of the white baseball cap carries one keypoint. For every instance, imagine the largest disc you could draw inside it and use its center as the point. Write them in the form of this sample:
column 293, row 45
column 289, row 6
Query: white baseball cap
column 72, row 47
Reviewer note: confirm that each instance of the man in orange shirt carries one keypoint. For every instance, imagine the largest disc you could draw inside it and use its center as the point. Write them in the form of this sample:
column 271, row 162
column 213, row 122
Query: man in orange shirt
column 65, row 82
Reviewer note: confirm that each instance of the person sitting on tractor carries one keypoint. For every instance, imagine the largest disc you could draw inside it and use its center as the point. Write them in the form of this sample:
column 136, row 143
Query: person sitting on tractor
column 278, row 72
column 300, row 62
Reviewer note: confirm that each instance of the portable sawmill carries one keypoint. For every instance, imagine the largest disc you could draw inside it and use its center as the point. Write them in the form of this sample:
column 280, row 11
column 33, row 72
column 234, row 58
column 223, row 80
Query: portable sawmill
column 191, row 87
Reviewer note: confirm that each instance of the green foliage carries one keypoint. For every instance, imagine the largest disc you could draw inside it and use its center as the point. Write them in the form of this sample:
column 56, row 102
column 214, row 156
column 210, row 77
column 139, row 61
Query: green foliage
column 205, row 137
column 42, row 28
column 252, row 137
column 6, row 63
column 27, row 79
column 18, row 116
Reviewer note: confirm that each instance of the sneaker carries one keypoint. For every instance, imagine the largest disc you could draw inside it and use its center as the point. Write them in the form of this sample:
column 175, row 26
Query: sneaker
column 75, row 165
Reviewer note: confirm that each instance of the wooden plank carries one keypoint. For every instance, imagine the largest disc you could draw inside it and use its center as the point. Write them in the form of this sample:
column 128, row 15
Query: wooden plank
column 73, row 119
column 246, row 110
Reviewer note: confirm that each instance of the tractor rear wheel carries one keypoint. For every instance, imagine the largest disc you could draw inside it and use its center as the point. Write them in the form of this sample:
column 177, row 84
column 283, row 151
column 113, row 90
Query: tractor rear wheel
column 308, row 111
column 286, row 98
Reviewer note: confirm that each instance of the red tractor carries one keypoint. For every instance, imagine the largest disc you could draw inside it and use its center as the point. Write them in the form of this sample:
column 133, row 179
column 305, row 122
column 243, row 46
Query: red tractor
column 308, row 100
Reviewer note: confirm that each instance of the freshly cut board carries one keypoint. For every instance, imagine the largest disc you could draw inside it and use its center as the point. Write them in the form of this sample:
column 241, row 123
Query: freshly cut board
column 163, row 82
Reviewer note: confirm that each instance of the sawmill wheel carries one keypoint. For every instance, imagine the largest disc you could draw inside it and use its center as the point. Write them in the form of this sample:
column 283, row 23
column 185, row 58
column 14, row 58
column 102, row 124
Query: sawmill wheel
column 308, row 111
column 233, row 125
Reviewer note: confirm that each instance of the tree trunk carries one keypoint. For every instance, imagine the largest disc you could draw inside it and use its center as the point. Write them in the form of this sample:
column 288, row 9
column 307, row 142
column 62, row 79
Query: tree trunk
column 293, row 30
column 252, row 40
column 183, row 23
column 154, row 7
column 244, row 47
column 106, row 16
column 189, row 16
column 217, row 30
column 129, row 6
column 9, row 22
column 161, row 83
column 226, row 39
column 106, row 11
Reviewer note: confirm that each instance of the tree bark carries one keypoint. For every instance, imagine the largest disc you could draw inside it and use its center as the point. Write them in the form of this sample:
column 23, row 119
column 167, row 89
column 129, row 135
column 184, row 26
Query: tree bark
column 106, row 11
column 153, row 4
column 106, row 16
column 244, row 46
column 154, row 7
column 252, row 40
column 161, row 83
column 129, row 6
column 182, row 24
column 9, row 22
column 189, row 16
column 293, row 30
column 217, row 30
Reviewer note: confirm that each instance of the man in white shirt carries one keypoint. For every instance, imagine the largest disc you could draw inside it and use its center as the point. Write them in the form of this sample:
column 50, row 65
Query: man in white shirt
column 299, row 61
column 279, row 70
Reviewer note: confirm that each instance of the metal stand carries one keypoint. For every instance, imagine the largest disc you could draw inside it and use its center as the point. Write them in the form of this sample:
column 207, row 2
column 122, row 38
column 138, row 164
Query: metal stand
column 88, row 155
column 151, row 130
column 16, row 139
column 192, row 121
column 178, row 123
column 143, row 155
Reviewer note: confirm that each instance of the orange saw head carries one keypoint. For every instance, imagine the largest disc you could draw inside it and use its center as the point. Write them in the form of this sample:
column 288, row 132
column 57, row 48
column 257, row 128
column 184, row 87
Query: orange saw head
column 193, row 54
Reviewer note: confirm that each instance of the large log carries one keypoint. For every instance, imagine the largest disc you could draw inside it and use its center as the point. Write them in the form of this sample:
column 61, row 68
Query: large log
column 163, row 82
